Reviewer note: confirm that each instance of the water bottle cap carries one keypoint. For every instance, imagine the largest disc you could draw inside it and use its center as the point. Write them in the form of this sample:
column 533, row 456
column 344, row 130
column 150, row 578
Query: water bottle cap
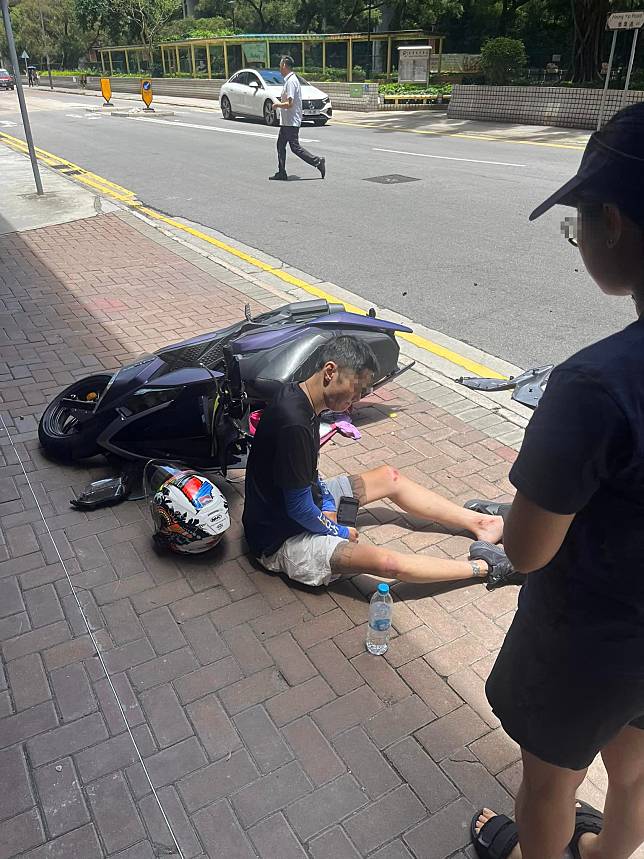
column 383, row 588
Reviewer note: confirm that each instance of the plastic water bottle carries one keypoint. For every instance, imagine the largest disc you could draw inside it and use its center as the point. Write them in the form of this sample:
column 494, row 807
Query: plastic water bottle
column 380, row 611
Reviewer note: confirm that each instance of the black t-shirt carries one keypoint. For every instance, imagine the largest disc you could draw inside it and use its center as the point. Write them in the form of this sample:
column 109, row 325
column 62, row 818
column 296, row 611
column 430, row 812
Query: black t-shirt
column 583, row 453
column 284, row 455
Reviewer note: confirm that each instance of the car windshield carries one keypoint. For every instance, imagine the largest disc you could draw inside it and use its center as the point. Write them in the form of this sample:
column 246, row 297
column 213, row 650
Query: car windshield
column 4, row 72
column 273, row 78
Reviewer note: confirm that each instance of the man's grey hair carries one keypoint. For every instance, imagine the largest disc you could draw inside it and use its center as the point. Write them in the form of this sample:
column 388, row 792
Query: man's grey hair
column 349, row 353
column 288, row 61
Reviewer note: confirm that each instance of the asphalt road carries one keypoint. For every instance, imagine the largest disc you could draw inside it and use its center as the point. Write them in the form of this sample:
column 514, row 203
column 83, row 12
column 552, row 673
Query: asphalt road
column 452, row 249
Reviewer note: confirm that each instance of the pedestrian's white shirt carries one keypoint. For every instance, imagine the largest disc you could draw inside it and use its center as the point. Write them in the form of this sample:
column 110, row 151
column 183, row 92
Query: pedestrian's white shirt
column 292, row 89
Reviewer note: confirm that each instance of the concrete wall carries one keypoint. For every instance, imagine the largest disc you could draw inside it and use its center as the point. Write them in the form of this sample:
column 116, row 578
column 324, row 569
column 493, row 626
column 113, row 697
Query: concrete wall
column 204, row 88
column 560, row 106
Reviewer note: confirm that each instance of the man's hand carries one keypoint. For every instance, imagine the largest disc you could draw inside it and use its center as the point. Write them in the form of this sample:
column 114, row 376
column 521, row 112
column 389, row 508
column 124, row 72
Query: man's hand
column 353, row 535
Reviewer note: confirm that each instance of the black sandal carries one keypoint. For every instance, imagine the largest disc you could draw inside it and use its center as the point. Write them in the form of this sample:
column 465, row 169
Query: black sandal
column 587, row 819
column 496, row 839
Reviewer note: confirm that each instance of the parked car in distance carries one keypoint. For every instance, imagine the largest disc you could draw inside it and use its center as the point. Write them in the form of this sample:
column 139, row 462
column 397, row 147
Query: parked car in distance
column 253, row 92
column 6, row 80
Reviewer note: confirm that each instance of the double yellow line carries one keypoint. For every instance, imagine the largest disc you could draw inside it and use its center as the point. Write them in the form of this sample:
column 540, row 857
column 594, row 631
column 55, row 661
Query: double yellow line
column 128, row 198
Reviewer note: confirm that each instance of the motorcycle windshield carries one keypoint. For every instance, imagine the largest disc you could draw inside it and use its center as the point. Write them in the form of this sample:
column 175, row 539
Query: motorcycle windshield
column 155, row 474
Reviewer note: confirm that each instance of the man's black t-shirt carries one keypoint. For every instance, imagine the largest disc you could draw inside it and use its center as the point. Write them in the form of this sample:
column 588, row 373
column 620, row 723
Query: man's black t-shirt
column 284, row 455
column 583, row 453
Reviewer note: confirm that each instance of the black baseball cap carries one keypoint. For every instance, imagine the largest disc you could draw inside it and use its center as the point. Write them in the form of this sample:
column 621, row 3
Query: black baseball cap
column 611, row 169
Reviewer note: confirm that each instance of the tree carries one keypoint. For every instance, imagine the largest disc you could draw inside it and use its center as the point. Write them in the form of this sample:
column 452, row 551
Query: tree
column 502, row 59
column 147, row 17
column 100, row 16
column 49, row 27
column 589, row 20
column 508, row 14
column 426, row 14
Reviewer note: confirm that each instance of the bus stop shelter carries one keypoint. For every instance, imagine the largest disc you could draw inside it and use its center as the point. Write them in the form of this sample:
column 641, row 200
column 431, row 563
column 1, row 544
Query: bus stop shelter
column 348, row 55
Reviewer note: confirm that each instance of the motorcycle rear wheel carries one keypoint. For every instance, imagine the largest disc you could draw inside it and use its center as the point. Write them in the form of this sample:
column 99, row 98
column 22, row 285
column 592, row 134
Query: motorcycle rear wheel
column 61, row 434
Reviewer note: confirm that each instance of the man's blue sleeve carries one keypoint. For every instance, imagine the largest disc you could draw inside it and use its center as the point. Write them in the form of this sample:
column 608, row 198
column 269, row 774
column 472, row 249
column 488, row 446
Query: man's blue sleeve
column 301, row 507
column 328, row 501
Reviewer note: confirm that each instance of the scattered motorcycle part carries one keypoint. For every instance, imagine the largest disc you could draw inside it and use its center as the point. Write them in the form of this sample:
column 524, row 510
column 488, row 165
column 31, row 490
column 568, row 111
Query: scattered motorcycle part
column 102, row 493
column 476, row 383
column 527, row 388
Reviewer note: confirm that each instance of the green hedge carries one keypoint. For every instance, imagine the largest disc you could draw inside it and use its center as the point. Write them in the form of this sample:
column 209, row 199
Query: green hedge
column 414, row 89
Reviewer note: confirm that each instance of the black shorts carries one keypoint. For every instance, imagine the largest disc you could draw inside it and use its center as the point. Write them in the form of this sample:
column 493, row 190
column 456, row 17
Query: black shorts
column 552, row 703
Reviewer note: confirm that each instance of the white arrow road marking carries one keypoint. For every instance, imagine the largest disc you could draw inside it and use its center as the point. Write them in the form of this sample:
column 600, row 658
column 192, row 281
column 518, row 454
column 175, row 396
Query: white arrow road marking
column 214, row 128
column 448, row 157
column 6, row 123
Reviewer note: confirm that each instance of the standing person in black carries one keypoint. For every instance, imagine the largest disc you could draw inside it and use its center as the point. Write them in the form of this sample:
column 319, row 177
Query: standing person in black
column 569, row 680
column 290, row 113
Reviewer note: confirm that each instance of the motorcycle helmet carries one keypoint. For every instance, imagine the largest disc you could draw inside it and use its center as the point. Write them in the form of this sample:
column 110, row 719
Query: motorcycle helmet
column 189, row 513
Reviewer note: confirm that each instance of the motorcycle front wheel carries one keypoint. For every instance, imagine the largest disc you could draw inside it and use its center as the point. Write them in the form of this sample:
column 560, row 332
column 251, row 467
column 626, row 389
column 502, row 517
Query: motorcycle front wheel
column 61, row 433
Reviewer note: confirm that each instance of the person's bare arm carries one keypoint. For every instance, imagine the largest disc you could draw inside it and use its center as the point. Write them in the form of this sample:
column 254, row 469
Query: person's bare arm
column 284, row 105
column 532, row 536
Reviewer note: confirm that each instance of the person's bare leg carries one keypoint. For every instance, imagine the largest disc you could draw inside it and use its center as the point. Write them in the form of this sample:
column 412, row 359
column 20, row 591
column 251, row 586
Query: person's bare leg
column 623, row 829
column 545, row 809
column 388, row 482
column 349, row 559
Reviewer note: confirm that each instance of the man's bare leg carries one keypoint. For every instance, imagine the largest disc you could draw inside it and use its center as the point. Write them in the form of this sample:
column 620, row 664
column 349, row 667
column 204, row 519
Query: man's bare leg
column 349, row 559
column 388, row 482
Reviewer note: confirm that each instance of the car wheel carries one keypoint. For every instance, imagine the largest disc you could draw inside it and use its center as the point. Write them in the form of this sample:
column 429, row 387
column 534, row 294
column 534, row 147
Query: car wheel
column 270, row 114
column 226, row 109
column 320, row 120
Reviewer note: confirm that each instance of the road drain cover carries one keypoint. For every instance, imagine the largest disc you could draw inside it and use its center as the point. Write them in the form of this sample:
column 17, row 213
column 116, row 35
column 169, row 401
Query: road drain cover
column 392, row 179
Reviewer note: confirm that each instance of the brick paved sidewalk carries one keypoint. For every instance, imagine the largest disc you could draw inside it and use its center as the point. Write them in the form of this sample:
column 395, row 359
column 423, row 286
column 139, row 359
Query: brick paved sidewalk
column 266, row 728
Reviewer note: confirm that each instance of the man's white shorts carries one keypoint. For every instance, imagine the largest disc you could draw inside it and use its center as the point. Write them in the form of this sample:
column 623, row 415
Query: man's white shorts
column 306, row 557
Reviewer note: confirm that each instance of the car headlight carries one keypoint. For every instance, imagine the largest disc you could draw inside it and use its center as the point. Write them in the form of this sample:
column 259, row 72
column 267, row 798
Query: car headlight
column 326, row 100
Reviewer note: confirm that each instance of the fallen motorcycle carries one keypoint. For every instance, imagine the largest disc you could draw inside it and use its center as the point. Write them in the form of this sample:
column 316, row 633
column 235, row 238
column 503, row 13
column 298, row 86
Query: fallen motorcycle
column 190, row 402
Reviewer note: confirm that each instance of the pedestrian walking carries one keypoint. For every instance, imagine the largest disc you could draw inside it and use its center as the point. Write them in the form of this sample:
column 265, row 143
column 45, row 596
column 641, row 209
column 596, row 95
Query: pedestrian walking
column 290, row 108
column 569, row 680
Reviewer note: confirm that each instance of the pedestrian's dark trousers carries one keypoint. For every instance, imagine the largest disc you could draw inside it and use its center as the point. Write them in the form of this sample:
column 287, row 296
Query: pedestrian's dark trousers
column 290, row 134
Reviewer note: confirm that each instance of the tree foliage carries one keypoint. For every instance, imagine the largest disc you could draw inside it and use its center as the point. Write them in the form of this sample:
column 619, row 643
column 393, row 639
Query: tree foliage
column 573, row 29
column 51, row 27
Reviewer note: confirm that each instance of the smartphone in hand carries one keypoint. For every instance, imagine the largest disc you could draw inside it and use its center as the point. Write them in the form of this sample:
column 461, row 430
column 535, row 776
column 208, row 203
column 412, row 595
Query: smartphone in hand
column 348, row 511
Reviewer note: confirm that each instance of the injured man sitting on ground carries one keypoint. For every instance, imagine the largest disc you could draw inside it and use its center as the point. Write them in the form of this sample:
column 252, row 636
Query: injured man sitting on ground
column 290, row 514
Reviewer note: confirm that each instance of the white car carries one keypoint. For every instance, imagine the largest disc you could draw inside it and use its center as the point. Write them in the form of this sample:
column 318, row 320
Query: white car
column 252, row 92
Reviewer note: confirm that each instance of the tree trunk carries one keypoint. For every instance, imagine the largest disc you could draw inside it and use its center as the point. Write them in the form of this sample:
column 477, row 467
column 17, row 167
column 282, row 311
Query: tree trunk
column 589, row 18
column 503, row 19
